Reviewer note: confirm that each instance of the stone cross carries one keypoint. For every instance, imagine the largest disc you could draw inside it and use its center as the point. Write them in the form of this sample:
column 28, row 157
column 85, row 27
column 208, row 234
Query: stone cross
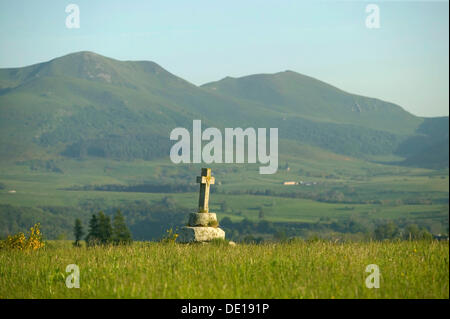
column 205, row 180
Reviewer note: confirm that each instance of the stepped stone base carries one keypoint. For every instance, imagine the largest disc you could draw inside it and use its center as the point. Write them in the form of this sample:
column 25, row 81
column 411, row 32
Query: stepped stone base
column 200, row 234
column 202, row 219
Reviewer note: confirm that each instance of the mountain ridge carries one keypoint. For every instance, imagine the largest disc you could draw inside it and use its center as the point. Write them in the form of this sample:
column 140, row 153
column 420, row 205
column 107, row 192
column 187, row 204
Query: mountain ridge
column 83, row 104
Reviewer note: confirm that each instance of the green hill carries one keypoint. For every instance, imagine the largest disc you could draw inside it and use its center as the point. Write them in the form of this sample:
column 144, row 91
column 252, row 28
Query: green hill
column 86, row 105
column 295, row 94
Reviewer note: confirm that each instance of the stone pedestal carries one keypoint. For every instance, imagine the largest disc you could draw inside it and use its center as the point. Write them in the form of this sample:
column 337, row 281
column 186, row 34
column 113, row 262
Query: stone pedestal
column 190, row 234
column 201, row 227
column 203, row 219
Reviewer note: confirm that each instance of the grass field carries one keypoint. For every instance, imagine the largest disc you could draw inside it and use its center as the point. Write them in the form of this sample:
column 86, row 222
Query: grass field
column 320, row 269
column 369, row 181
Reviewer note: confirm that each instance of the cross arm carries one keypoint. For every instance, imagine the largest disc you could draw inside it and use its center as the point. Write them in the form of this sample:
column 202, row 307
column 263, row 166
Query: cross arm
column 204, row 179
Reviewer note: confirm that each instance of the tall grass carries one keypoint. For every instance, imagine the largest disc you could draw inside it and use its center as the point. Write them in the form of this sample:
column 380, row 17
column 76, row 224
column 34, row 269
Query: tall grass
column 283, row 270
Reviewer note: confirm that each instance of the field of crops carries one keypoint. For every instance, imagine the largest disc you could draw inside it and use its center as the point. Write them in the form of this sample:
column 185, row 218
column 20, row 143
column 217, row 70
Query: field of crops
column 319, row 269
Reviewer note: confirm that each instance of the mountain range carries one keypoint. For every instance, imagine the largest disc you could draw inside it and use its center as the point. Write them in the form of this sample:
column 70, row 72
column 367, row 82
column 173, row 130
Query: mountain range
column 86, row 105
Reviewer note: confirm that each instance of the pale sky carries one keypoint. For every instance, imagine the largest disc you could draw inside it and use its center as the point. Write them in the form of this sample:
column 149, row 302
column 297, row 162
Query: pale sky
column 405, row 61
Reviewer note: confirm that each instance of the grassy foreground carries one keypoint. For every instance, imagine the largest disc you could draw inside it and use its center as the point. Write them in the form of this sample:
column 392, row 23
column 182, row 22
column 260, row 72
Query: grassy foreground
column 282, row 270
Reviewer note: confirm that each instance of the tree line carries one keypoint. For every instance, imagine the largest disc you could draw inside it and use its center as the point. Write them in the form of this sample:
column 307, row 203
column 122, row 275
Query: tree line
column 102, row 231
column 346, row 229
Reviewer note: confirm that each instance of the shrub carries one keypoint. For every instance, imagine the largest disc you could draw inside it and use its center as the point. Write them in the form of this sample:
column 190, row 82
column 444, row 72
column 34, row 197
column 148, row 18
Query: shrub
column 19, row 241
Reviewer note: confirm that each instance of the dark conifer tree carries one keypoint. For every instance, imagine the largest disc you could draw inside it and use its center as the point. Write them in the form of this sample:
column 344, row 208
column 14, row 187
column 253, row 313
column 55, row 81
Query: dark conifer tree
column 105, row 228
column 78, row 232
column 93, row 236
column 121, row 233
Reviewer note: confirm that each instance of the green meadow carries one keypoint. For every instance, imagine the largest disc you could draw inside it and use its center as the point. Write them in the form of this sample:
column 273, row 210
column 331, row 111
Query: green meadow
column 299, row 269
column 377, row 191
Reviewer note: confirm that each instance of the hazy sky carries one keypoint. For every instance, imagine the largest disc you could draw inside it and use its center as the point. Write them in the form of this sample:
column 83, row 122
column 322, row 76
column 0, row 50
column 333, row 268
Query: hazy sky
column 405, row 61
